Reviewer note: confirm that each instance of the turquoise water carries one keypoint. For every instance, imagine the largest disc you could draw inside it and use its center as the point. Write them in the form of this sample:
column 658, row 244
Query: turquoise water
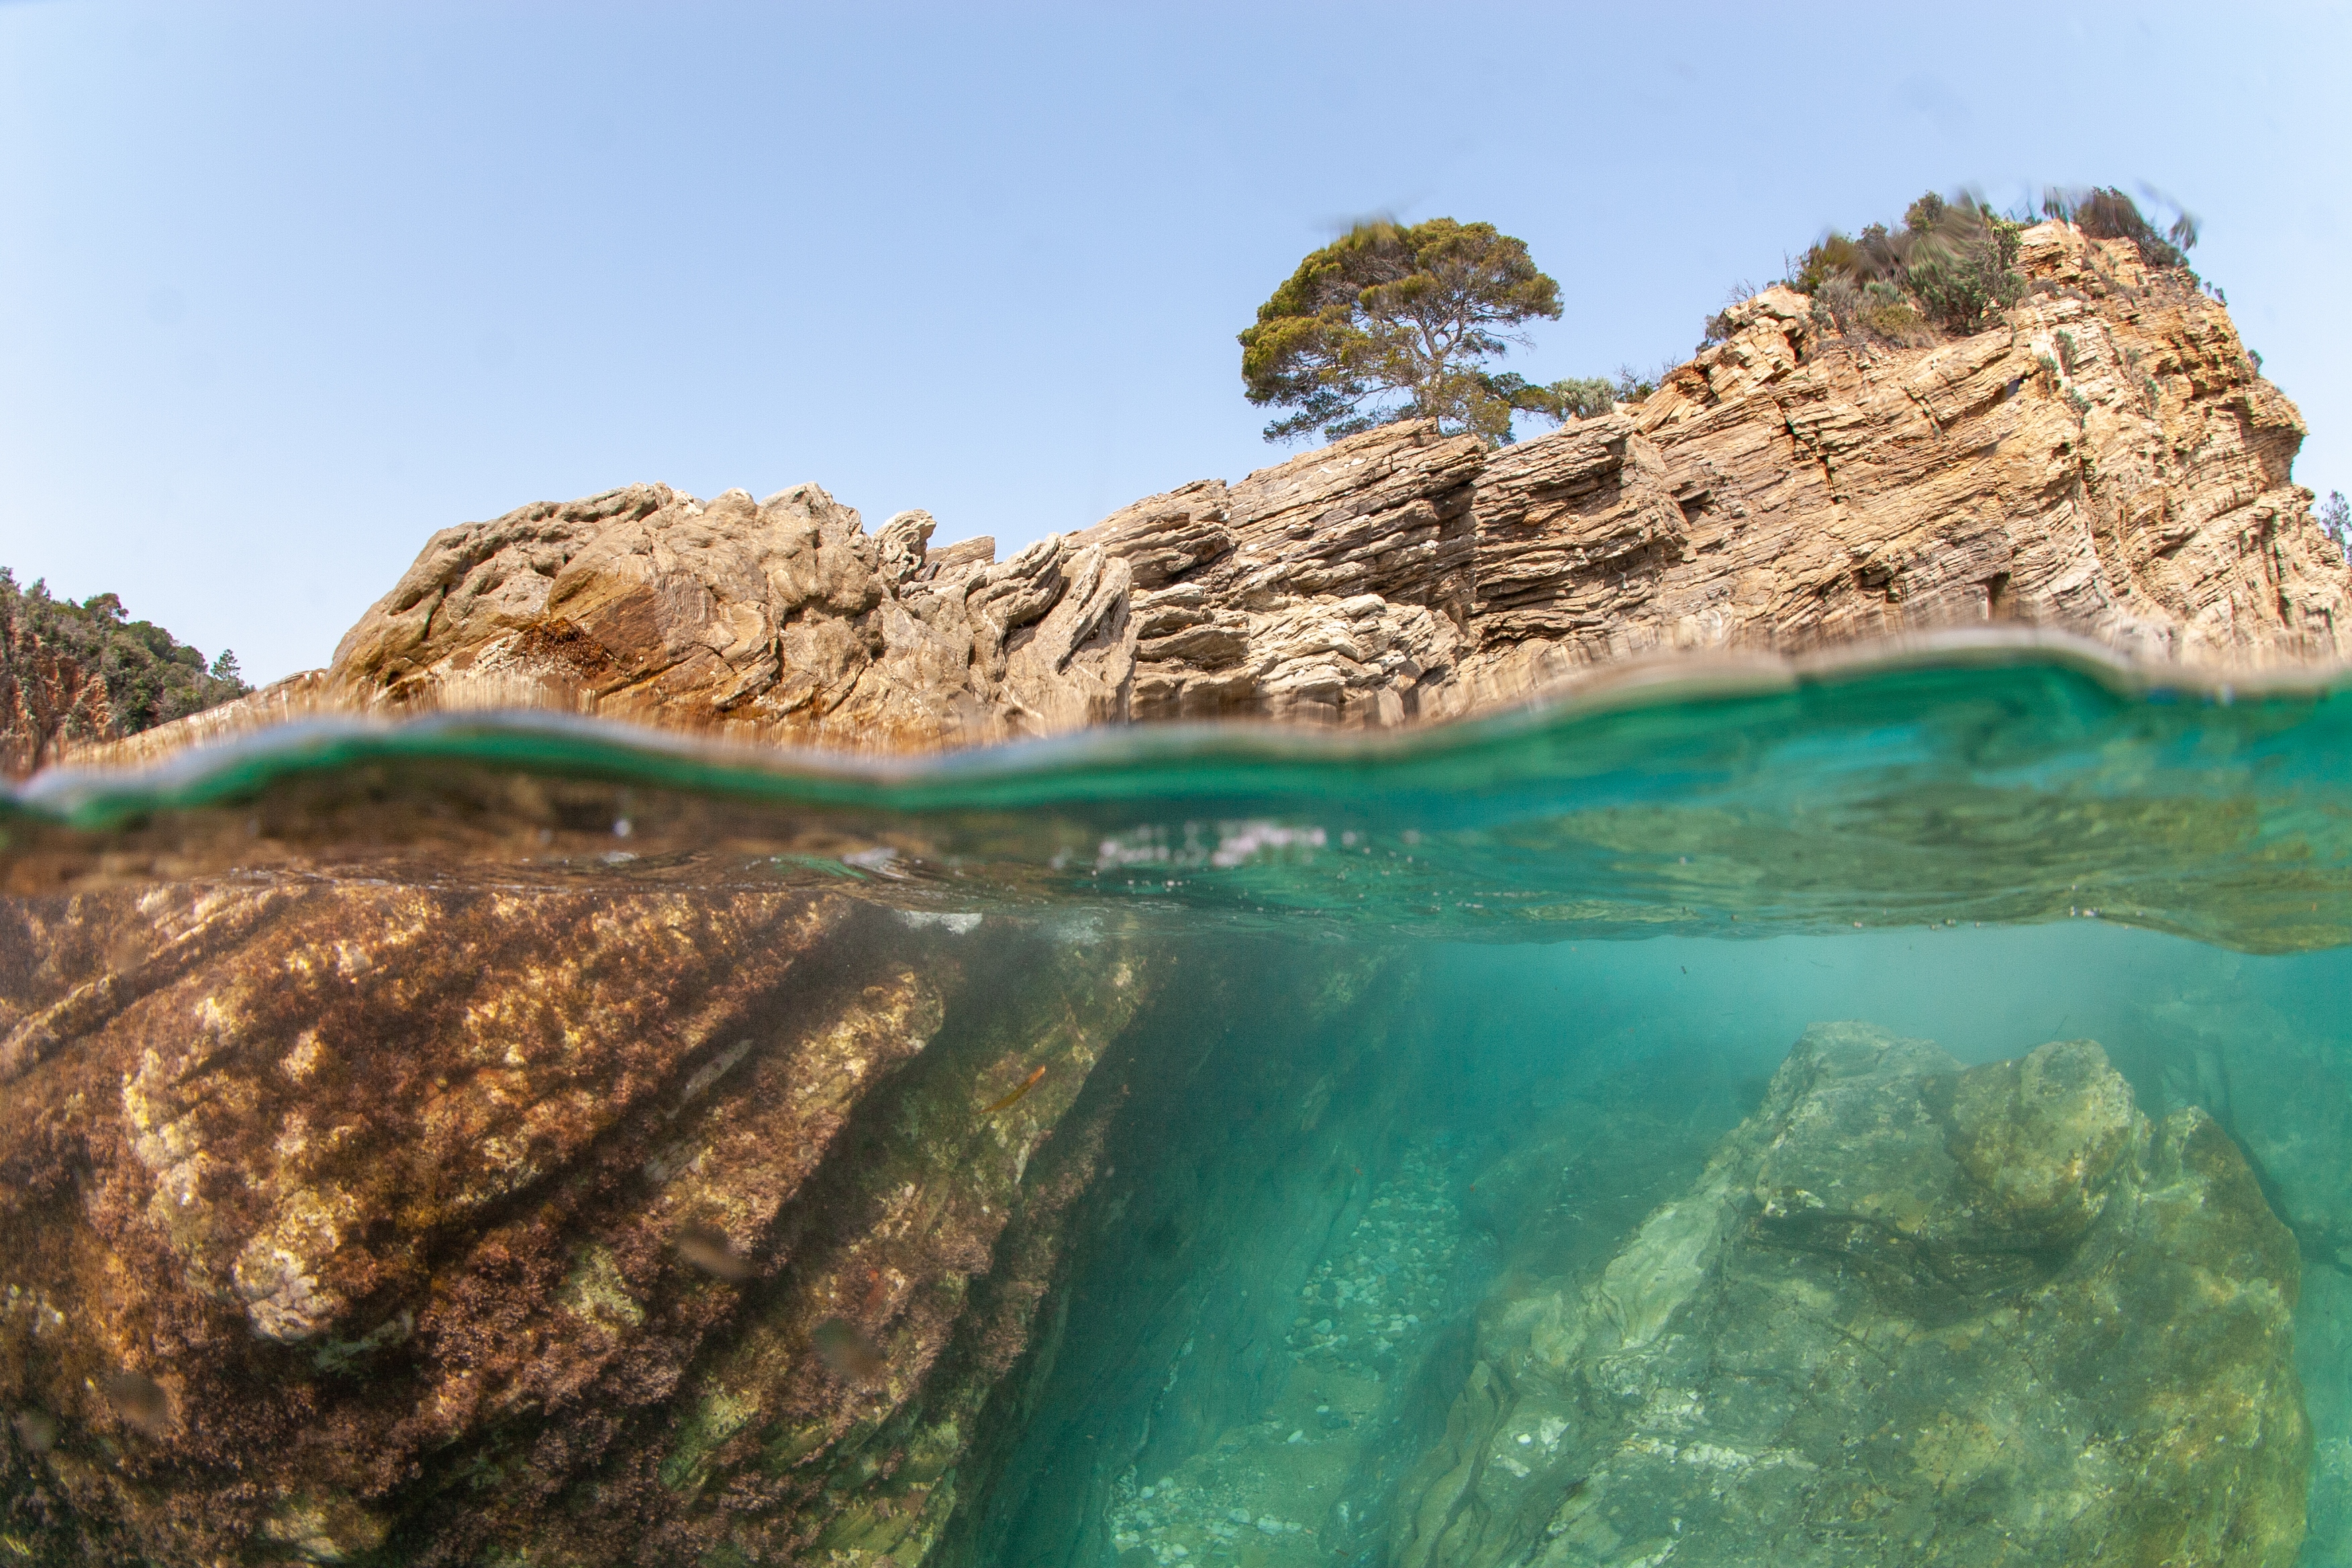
column 1555, row 1095
column 1466, row 1012
column 1997, row 788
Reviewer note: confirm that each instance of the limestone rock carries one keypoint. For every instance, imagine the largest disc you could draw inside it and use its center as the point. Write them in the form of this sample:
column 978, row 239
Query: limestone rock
column 2106, row 461
column 1911, row 1311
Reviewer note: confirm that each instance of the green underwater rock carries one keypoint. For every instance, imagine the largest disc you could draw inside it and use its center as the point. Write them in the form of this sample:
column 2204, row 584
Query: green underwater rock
column 1910, row 1312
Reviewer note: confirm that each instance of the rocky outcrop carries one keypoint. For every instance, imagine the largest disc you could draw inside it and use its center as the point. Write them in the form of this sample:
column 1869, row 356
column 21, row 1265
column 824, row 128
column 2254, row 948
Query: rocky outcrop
column 347, row 1222
column 1992, row 1315
column 49, row 700
column 2108, row 460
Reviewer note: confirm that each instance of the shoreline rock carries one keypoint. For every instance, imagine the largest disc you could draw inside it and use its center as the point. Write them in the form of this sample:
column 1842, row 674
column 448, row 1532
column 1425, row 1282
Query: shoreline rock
column 2107, row 461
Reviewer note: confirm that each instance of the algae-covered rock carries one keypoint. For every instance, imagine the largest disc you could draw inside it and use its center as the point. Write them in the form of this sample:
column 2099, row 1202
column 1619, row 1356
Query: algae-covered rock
column 1910, row 1312
column 2274, row 1075
column 351, row 1222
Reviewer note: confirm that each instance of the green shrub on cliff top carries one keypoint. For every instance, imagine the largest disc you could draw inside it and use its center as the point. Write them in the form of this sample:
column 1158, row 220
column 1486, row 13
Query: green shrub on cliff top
column 2108, row 214
column 1951, row 264
column 2335, row 519
column 150, row 677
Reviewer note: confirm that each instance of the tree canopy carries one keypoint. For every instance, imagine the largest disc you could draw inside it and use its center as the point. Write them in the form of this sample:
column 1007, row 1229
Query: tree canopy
column 150, row 677
column 1391, row 322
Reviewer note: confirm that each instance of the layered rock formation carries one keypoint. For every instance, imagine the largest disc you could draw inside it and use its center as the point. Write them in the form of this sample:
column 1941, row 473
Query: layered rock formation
column 351, row 1223
column 2108, row 460
column 1980, row 1316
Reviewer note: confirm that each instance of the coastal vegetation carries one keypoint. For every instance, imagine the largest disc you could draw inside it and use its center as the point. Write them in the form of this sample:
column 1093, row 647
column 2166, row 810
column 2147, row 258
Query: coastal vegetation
column 1393, row 321
column 85, row 672
column 1951, row 267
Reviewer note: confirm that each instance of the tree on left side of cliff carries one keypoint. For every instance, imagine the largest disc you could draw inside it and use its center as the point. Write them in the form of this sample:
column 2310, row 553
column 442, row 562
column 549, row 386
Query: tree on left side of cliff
column 87, row 671
column 1391, row 322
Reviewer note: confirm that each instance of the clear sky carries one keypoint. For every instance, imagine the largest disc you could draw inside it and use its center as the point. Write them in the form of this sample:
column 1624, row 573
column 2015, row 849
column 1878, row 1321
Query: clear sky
column 286, row 288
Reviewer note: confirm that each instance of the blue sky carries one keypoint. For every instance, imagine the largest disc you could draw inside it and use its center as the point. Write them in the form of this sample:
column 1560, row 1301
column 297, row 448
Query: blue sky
column 286, row 288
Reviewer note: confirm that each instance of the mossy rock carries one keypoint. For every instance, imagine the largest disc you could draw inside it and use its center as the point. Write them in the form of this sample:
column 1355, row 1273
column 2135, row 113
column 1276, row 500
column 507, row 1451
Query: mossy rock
column 1912, row 1313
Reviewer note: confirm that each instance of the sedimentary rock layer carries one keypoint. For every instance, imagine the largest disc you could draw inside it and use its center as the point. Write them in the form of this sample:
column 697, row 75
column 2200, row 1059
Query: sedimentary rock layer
column 2108, row 460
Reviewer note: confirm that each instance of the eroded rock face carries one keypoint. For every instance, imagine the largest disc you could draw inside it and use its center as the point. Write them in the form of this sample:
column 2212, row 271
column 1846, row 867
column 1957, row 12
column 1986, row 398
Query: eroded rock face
column 342, row 1222
column 777, row 618
column 1912, row 1311
column 2106, row 461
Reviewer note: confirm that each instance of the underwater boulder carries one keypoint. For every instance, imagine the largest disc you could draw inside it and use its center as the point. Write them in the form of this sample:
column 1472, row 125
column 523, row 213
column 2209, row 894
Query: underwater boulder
column 360, row 1222
column 1912, row 1311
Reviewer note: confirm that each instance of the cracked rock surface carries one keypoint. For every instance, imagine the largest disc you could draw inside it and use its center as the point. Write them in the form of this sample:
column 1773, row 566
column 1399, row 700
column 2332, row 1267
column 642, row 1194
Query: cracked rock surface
column 2106, row 461
column 353, row 1222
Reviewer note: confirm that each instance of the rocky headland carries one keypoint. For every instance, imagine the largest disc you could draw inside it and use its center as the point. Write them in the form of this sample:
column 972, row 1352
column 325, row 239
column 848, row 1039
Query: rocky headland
column 74, row 676
column 2105, row 461
column 527, row 1221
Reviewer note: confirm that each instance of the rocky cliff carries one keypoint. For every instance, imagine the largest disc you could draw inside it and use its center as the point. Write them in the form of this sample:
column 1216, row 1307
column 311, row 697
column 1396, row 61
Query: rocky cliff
column 74, row 675
column 2106, row 461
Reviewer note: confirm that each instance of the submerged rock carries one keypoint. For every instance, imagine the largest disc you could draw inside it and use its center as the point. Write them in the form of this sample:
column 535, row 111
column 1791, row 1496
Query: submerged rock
column 2275, row 1080
column 345, row 1222
column 379, row 1223
column 1910, row 1312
